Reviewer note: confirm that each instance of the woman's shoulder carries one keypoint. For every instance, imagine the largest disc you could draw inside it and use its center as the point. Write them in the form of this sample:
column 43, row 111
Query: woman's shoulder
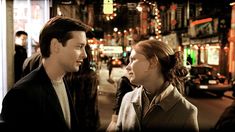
column 182, row 102
column 188, row 105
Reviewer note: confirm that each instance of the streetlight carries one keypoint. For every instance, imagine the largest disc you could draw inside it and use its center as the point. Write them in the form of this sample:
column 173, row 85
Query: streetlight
column 115, row 29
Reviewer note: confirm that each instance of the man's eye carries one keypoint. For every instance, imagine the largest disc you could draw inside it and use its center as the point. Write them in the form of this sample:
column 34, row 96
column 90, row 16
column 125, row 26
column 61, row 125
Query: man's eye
column 80, row 46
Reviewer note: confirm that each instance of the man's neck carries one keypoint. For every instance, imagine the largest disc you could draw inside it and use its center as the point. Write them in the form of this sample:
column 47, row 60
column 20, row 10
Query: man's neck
column 53, row 71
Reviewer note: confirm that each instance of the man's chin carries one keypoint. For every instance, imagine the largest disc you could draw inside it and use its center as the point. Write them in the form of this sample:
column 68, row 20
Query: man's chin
column 75, row 69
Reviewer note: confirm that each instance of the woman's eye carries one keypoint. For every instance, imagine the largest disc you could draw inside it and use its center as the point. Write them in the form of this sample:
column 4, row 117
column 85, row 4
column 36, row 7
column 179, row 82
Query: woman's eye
column 132, row 59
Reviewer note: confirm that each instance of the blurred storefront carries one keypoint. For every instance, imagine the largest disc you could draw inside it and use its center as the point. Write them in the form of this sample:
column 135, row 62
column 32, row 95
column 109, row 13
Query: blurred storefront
column 3, row 51
column 204, row 44
column 17, row 15
column 231, row 40
column 172, row 40
column 30, row 16
column 203, row 52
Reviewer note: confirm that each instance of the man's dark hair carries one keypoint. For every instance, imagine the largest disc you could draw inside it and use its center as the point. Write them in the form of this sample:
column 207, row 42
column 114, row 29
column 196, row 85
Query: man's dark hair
column 60, row 28
column 19, row 33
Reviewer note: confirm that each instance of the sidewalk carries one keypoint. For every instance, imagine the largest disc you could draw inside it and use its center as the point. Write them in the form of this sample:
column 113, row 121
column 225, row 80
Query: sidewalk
column 106, row 94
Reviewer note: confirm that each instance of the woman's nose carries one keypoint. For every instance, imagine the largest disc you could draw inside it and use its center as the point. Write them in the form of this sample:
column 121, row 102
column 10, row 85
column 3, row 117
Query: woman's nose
column 128, row 67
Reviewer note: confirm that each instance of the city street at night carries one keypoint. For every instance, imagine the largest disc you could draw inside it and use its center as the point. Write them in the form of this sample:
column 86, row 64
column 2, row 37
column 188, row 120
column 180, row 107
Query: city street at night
column 170, row 47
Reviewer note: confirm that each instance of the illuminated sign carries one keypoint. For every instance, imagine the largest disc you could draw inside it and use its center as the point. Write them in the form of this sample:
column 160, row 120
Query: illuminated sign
column 213, row 55
column 112, row 49
column 200, row 21
column 108, row 7
column 203, row 27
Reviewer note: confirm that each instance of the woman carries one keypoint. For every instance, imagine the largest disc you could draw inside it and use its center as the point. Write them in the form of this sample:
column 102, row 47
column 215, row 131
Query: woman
column 158, row 104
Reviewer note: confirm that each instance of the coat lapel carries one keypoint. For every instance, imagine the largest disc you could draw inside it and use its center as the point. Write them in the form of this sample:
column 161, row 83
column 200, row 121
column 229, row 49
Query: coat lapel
column 168, row 102
column 52, row 98
column 73, row 115
column 136, row 101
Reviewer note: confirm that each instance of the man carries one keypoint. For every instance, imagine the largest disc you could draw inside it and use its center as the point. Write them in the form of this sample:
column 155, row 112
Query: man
column 31, row 63
column 40, row 101
column 189, row 60
column 20, row 53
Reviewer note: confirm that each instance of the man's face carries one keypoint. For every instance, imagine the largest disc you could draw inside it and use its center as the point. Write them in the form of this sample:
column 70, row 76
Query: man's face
column 71, row 56
column 22, row 40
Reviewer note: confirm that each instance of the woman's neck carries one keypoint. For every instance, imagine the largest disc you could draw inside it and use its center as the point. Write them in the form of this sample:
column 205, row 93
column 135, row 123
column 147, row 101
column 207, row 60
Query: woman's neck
column 154, row 87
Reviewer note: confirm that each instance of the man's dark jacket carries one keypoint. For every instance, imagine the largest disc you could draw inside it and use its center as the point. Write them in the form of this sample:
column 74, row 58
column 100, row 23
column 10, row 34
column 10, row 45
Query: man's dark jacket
column 226, row 121
column 19, row 58
column 32, row 105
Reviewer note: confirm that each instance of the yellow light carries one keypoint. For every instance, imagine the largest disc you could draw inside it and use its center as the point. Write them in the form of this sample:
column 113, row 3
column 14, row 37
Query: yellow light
column 108, row 7
column 115, row 29
column 231, row 4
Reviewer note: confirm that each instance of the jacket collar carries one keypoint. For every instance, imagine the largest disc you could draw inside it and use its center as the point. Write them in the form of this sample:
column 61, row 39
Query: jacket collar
column 169, row 101
column 136, row 101
column 166, row 103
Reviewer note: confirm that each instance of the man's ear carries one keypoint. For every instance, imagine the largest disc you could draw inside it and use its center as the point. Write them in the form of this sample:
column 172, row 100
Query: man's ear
column 54, row 47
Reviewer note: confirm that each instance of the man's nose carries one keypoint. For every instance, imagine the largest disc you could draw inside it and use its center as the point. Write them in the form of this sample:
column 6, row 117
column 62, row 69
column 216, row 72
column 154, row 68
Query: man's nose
column 84, row 55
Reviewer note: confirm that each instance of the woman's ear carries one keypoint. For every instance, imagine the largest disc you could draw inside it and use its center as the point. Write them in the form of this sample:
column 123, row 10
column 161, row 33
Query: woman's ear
column 153, row 63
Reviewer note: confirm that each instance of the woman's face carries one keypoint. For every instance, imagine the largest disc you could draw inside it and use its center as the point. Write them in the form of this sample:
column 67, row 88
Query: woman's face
column 138, row 68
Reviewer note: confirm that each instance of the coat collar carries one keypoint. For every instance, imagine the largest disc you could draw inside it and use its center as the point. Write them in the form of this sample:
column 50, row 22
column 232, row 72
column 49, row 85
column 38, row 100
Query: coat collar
column 166, row 103
column 136, row 101
column 51, row 94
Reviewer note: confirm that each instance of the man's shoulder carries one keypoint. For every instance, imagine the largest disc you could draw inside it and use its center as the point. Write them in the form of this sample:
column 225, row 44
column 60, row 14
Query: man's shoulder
column 34, row 78
column 19, row 48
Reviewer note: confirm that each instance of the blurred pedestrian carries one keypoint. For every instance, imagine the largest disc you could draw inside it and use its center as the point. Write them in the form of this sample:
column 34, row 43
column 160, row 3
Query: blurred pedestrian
column 226, row 120
column 110, row 66
column 31, row 63
column 41, row 100
column 189, row 60
column 157, row 105
column 110, row 69
column 83, row 87
column 20, row 53
column 123, row 86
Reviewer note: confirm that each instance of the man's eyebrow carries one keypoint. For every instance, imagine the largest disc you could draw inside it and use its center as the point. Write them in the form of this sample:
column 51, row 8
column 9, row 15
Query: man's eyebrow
column 82, row 44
